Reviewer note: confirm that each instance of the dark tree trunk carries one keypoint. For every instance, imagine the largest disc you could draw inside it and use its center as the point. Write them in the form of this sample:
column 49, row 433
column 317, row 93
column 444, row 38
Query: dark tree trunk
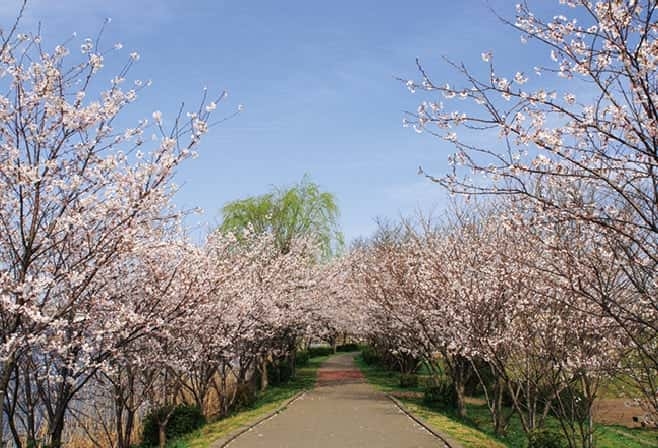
column 4, row 385
column 263, row 374
column 293, row 364
column 458, row 367
column 125, row 422
column 58, row 417
column 130, row 423
column 57, row 429
column 461, row 403
column 499, row 417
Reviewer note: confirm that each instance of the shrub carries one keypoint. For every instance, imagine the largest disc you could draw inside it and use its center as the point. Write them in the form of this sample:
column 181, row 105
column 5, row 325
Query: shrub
column 301, row 358
column 245, row 395
column 322, row 350
column 352, row 347
column 184, row 419
column 369, row 355
column 405, row 363
column 408, row 380
column 279, row 372
column 546, row 438
column 440, row 394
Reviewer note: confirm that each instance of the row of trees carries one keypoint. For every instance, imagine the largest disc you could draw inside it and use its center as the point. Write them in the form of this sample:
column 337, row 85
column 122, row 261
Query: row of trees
column 107, row 310
column 495, row 297
column 551, row 288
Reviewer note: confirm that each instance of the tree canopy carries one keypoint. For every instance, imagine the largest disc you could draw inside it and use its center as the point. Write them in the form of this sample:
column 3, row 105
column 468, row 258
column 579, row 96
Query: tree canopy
column 301, row 210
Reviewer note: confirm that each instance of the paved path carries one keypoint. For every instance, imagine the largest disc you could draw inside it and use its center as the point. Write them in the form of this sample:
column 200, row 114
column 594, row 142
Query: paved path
column 343, row 412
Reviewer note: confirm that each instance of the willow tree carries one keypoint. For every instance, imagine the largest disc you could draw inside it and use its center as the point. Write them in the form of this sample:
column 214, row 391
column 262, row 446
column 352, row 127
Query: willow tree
column 301, row 210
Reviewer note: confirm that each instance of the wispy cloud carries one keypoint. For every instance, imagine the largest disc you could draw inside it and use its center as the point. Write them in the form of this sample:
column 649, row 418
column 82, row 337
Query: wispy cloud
column 87, row 16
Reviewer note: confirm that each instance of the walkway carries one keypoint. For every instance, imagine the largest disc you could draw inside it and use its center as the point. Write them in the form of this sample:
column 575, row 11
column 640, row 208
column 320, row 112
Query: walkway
column 343, row 411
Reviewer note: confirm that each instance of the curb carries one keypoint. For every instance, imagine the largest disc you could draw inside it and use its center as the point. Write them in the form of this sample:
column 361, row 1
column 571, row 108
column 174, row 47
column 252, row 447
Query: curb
column 448, row 443
column 223, row 442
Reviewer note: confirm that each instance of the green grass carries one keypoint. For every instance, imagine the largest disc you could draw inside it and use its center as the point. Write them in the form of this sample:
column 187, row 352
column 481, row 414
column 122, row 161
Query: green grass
column 476, row 431
column 468, row 436
column 267, row 402
column 618, row 436
column 383, row 379
column 387, row 380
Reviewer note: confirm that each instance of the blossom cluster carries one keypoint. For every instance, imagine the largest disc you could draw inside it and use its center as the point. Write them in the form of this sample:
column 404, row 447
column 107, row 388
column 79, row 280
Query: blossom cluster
column 106, row 309
column 574, row 142
column 525, row 306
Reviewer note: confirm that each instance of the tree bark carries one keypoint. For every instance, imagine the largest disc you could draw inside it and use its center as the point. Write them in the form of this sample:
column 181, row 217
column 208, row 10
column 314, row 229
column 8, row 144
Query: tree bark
column 263, row 374
column 162, row 435
column 500, row 420
column 458, row 369
column 461, row 403
column 58, row 417
column 4, row 385
column 57, row 428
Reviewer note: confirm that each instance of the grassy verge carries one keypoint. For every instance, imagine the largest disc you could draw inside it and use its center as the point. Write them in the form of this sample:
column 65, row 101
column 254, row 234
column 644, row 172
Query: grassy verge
column 476, row 431
column 385, row 380
column 267, row 402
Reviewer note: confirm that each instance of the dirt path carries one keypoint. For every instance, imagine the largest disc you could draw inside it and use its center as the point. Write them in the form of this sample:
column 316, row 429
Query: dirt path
column 342, row 411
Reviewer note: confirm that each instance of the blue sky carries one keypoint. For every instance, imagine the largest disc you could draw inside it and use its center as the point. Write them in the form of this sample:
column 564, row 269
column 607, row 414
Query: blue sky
column 317, row 80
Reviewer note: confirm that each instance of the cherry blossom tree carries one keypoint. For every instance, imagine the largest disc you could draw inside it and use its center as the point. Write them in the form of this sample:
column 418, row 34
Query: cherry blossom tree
column 385, row 276
column 577, row 143
column 107, row 310
column 491, row 291
column 80, row 199
column 330, row 303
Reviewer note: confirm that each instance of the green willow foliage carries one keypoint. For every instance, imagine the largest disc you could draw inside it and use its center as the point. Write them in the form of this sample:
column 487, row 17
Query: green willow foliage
column 301, row 210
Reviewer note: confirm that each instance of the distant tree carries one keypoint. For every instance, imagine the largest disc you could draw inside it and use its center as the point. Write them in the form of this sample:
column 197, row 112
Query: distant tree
column 301, row 210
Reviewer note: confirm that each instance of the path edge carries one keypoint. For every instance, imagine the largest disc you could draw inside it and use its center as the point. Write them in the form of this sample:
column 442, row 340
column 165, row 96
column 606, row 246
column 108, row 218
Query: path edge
column 445, row 439
column 224, row 441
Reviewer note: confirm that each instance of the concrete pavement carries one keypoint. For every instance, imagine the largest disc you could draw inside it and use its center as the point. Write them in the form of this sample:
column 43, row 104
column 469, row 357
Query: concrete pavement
column 343, row 411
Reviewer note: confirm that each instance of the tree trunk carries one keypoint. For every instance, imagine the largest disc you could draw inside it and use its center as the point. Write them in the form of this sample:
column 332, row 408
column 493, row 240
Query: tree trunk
column 263, row 374
column 220, row 384
column 293, row 364
column 500, row 420
column 4, row 385
column 58, row 418
column 18, row 440
column 56, row 429
column 124, row 409
column 130, row 423
column 461, row 403
column 162, row 435
column 458, row 368
column 125, row 428
column 118, row 415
